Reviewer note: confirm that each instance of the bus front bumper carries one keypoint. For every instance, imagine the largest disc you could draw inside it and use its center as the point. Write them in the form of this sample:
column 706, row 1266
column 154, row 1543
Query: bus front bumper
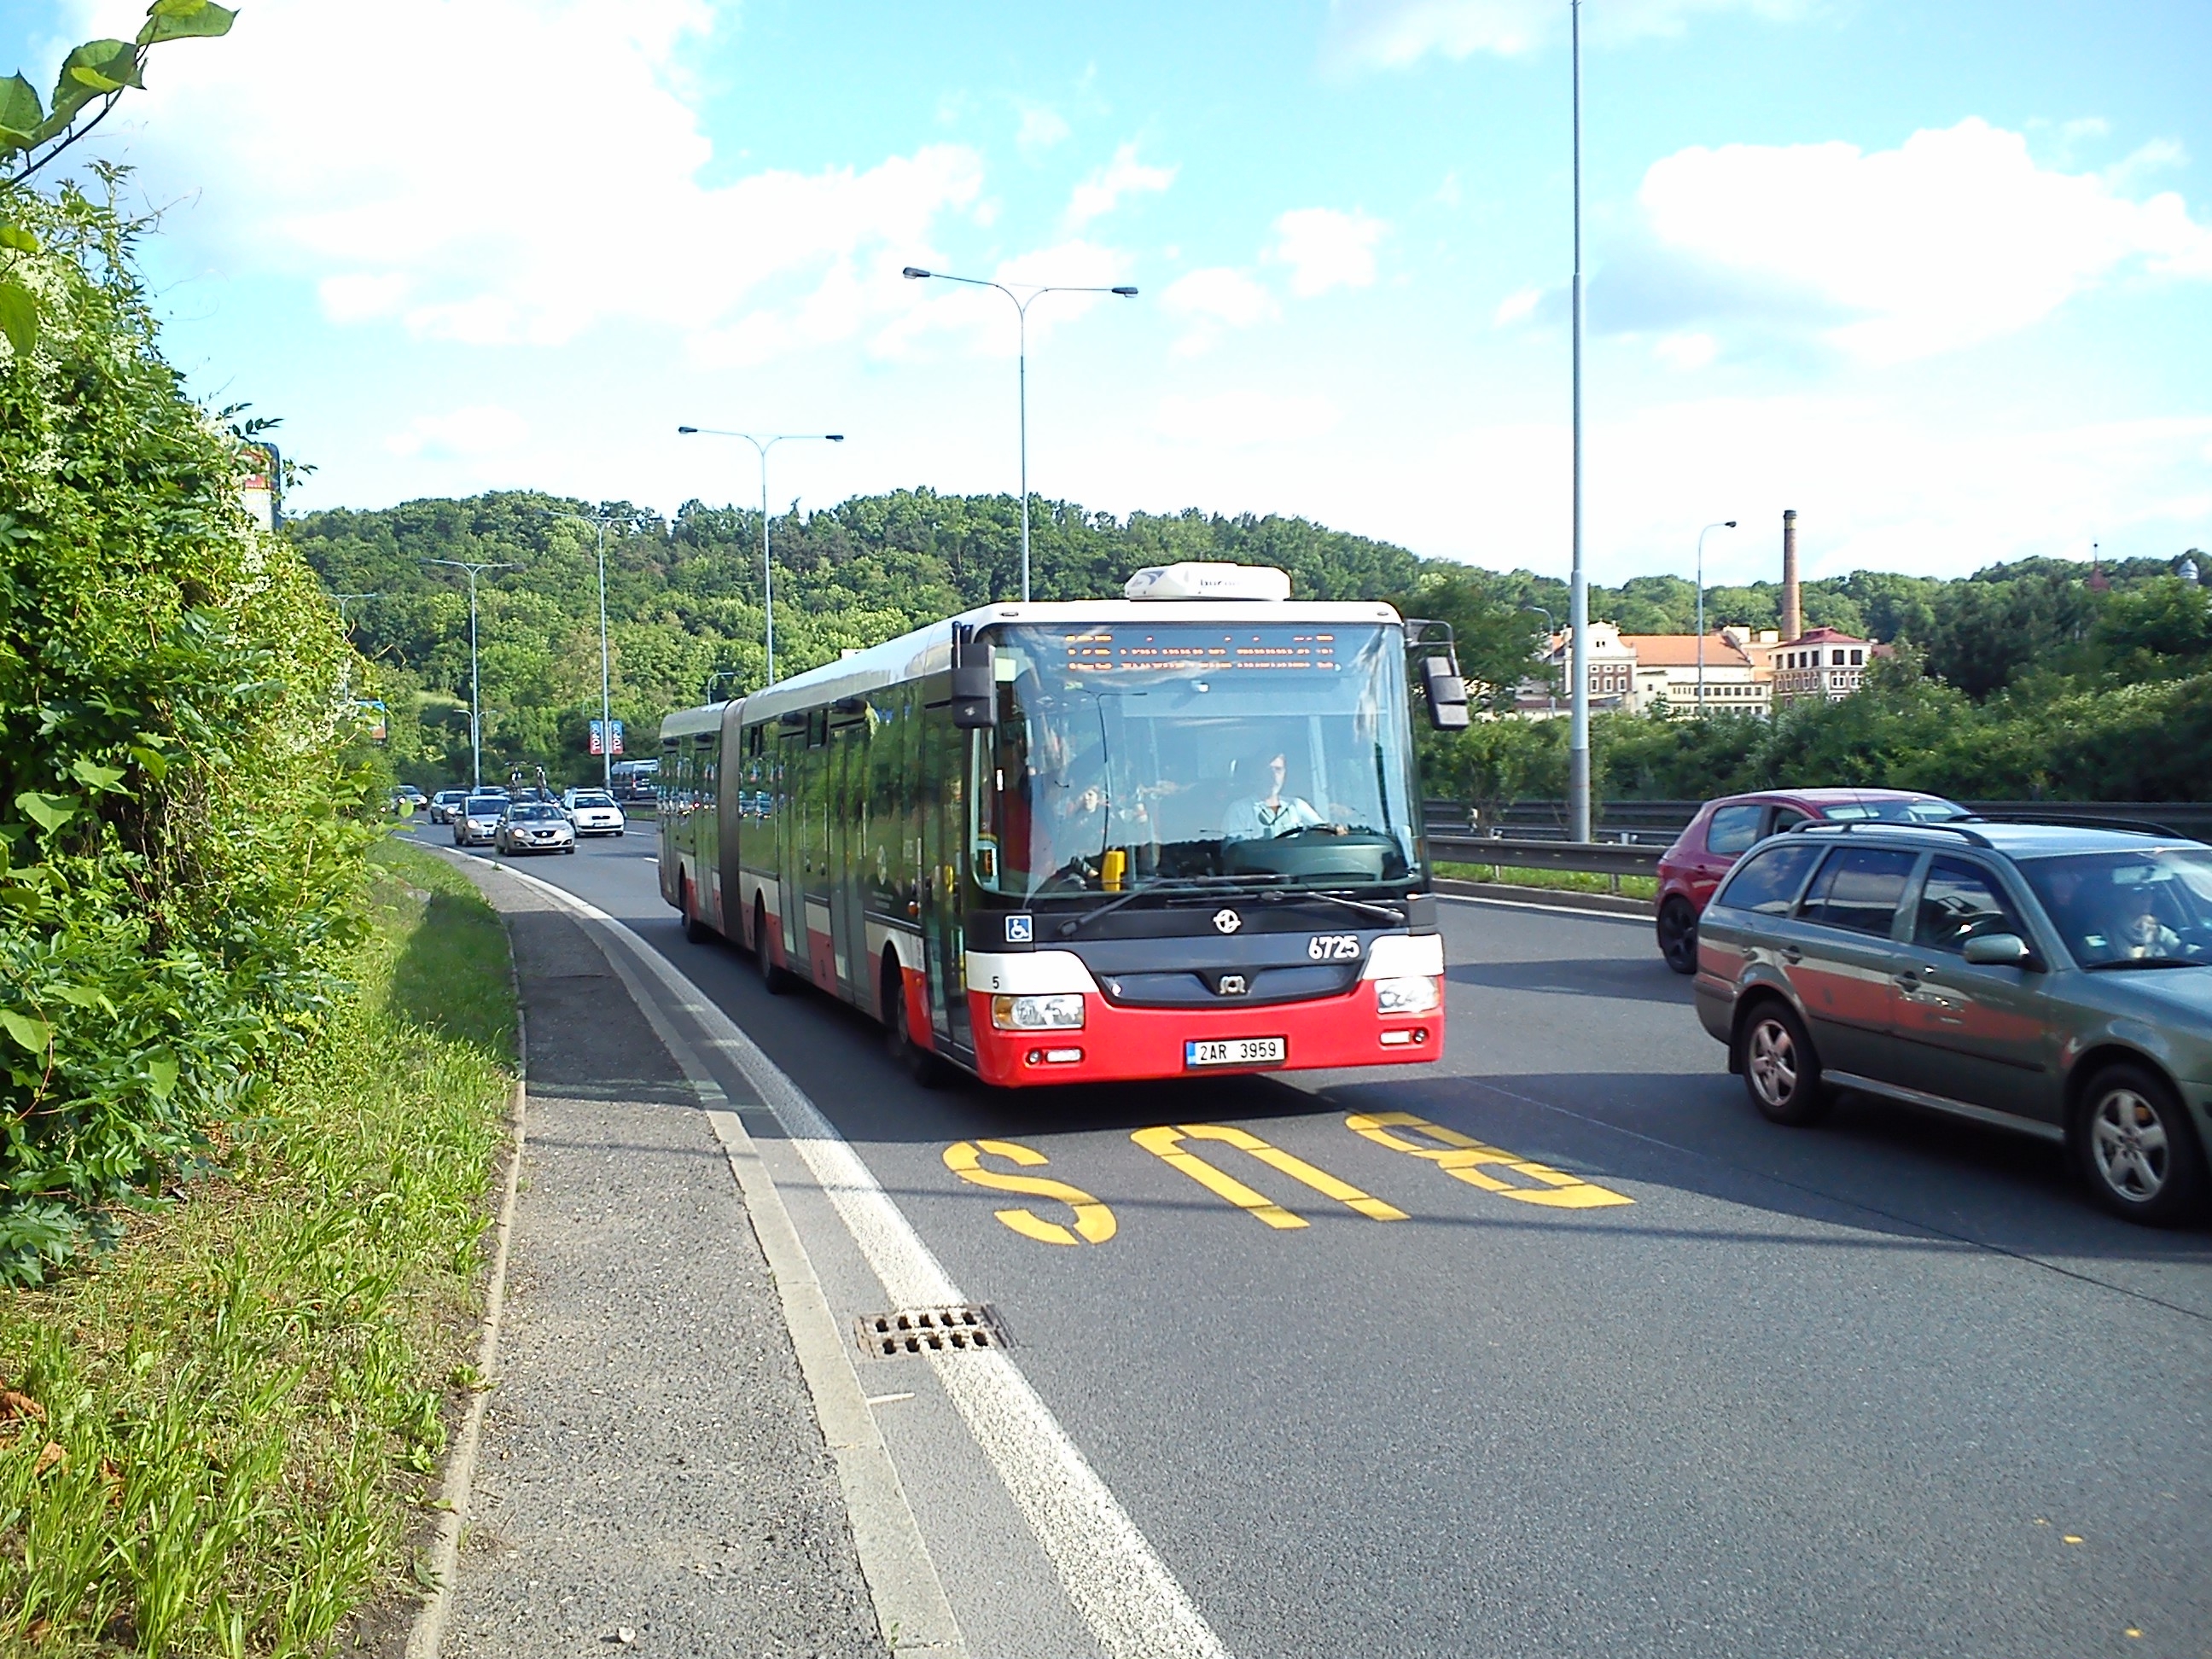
column 1117, row 1043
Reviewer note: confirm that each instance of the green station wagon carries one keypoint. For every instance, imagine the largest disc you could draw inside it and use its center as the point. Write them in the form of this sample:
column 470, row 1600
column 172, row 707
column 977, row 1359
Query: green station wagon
column 2057, row 981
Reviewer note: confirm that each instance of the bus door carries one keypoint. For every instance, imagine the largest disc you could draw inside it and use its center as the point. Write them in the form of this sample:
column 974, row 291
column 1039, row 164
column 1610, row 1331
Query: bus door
column 849, row 790
column 943, row 852
column 790, row 841
column 814, row 854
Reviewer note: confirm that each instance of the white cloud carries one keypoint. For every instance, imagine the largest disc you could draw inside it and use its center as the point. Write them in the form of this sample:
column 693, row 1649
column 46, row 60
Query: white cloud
column 1101, row 192
column 1215, row 298
column 1954, row 237
column 1327, row 249
column 466, row 435
column 1237, row 420
column 1690, row 349
column 1518, row 307
column 1041, row 128
column 558, row 186
column 1392, row 33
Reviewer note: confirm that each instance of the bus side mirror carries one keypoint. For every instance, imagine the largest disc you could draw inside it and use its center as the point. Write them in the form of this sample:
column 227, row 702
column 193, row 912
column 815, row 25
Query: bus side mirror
column 1447, row 694
column 974, row 689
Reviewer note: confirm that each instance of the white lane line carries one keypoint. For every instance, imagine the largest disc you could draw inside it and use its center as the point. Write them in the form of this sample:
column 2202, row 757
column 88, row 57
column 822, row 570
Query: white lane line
column 1114, row 1579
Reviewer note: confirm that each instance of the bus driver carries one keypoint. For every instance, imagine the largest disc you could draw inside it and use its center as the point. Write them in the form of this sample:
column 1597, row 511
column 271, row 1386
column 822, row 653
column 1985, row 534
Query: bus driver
column 1262, row 817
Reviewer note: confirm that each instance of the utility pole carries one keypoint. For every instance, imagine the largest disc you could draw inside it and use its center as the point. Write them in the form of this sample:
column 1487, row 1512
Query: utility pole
column 763, row 443
column 475, row 702
column 599, row 520
column 1578, row 756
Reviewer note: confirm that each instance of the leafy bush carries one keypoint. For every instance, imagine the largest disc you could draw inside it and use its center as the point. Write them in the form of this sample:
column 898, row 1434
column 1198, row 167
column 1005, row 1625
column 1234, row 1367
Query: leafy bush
column 179, row 844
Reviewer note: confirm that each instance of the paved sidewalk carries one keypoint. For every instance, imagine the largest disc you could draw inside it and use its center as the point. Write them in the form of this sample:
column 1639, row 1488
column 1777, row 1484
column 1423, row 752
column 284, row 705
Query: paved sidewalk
column 651, row 1461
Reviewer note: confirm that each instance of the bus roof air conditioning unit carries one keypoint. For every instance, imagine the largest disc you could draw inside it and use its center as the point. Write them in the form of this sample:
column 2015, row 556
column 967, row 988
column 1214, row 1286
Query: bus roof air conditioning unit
column 1209, row 579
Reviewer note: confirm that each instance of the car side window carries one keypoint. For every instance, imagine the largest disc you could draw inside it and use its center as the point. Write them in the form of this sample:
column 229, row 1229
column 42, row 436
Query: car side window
column 1733, row 829
column 1767, row 882
column 1788, row 818
column 1961, row 901
column 1858, row 889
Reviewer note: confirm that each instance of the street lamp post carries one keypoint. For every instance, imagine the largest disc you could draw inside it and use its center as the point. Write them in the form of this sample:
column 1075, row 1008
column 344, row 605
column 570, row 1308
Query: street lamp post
column 915, row 273
column 600, row 520
column 1578, row 756
column 764, row 444
column 476, row 703
column 1552, row 691
column 1722, row 524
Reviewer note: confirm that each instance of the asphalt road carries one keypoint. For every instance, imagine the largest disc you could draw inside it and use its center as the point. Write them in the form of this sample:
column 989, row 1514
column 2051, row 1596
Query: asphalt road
column 1888, row 1387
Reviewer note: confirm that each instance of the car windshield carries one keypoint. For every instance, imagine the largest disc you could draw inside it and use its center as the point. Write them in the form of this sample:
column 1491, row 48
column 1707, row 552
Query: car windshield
column 1129, row 756
column 1892, row 811
column 531, row 814
column 2151, row 909
column 490, row 807
column 595, row 798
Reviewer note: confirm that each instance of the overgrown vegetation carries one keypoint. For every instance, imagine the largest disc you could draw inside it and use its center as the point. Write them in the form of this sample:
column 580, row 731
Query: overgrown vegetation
column 207, row 1437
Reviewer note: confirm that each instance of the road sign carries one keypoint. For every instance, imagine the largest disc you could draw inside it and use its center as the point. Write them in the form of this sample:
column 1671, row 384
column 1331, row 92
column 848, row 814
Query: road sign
column 599, row 744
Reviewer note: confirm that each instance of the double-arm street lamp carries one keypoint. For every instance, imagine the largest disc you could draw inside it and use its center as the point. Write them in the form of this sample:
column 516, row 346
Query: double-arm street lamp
column 1722, row 524
column 476, row 703
column 599, row 520
column 764, row 442
column 1034, row 292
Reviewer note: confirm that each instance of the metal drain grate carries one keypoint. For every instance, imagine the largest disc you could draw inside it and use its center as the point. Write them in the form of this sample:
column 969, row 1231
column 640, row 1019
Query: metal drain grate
column 929, row 1330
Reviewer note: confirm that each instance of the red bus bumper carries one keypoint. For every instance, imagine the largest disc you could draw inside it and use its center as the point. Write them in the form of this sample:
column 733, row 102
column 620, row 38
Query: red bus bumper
column 1121, row 1045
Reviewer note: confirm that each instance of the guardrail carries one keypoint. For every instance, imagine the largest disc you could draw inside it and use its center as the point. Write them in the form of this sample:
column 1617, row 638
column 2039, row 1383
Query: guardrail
column 1656, row 823
column 1611, row 859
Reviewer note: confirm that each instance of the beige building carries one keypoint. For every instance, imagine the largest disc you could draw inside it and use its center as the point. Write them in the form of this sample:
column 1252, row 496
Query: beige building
column 1821, row 662
column 1667, row 671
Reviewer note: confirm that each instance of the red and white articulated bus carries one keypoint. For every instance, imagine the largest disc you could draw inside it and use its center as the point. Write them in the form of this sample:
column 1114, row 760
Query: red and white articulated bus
column 1174, row 833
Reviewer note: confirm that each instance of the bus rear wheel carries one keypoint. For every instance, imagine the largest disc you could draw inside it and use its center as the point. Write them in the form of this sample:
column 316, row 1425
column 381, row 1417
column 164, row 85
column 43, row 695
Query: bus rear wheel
column 909, row 1057
column 773, row 979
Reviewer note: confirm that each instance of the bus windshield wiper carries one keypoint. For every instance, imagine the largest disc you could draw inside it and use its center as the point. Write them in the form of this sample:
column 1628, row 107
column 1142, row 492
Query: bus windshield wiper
column 1075, row 924
column 1379, row 912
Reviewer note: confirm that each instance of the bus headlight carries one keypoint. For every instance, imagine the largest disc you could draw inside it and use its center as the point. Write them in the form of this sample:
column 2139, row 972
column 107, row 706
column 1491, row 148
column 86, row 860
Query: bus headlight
column 1415, row 994
column 1063, row 1013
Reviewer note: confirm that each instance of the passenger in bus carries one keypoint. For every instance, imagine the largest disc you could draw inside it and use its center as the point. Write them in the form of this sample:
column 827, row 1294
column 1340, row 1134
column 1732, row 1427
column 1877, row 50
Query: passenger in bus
column 1262, row 816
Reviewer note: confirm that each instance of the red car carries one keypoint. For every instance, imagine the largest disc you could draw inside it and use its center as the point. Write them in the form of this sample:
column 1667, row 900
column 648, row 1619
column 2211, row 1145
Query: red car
column 1726, row 828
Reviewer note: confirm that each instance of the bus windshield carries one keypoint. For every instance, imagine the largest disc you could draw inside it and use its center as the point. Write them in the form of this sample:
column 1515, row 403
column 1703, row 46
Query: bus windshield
column 1129, row 757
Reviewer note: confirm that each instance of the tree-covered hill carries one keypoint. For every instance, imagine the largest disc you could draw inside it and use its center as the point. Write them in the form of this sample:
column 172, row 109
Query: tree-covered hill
column 683, row 604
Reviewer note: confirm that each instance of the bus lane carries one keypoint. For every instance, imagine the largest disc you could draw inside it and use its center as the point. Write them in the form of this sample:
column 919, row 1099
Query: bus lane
column 1567, row 1354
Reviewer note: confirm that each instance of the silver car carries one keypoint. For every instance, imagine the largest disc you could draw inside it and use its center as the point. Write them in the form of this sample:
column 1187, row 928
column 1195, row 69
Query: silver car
column 476, row 819
column 534, row 827
column 2052, row 980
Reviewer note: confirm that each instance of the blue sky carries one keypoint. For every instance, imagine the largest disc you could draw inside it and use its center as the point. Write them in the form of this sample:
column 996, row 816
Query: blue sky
column 1938, row 277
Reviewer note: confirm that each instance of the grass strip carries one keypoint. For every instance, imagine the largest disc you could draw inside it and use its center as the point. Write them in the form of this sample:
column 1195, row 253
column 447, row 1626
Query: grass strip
column 1562, row 881
column 209, row 1440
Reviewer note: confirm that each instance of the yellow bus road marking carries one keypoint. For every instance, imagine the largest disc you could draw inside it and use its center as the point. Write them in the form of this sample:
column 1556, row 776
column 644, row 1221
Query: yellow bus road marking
column 1469, row 1160
column 1094, row 1222
column 1166, row 1143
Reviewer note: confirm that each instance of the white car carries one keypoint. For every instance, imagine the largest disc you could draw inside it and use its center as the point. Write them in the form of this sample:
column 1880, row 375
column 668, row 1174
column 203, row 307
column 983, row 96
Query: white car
column 593, row 812
column 531, row 826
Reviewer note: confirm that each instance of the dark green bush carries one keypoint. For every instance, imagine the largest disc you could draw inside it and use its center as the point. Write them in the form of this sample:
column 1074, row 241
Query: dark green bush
column 180, row 842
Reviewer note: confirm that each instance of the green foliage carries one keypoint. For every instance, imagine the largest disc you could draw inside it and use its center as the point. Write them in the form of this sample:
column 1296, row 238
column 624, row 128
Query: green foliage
column 178, row 842
column 238, row 1397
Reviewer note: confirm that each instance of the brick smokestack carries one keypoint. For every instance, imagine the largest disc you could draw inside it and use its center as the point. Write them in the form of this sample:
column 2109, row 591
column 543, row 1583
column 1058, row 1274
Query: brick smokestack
column 1793, row 597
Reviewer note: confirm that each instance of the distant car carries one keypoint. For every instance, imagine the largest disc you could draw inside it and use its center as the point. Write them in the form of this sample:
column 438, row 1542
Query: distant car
column 476, row 819
column 594, row 812
column 407, row 791
column 534, row 826
column 1725, row 829
column 445, row 803
column 2055, row 979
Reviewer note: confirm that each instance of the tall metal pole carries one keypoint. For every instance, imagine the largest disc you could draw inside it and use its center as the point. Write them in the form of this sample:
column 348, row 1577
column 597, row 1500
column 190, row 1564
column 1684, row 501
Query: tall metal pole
column 606, row 691
column 1579, row 756
column 915, row 273
column 476, row 698
column 767, row 568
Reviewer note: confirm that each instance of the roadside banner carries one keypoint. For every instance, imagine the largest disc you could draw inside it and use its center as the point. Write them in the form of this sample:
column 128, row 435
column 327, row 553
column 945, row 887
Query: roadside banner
column 600, row 743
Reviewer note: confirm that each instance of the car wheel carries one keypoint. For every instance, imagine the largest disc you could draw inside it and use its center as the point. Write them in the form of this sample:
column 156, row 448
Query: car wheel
column 1678, row 935
column 570, row 849
column 773, row 979
column 2137, row 1148
column 909, row 1057
column 1781, row 1072
column 694, row 930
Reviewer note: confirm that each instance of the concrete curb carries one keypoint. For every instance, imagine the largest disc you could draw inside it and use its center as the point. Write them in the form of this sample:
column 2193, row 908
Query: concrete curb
column 911, row 1610
column 1548, row 898
column 443, row 1566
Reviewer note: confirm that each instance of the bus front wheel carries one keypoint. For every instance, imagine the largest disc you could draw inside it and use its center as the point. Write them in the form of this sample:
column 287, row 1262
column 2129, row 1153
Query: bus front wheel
column 916, row 1062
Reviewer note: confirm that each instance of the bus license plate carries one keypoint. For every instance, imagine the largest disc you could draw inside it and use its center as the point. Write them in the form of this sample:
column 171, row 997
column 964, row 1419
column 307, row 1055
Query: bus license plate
column 1235, row 1051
